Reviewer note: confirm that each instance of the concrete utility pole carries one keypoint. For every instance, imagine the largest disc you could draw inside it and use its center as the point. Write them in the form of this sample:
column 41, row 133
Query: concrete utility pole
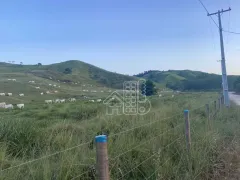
column 223, row 64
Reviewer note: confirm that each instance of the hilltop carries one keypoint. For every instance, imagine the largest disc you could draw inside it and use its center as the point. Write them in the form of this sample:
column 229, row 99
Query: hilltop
column 70, row 71
column 67, row 79
column 187, row 79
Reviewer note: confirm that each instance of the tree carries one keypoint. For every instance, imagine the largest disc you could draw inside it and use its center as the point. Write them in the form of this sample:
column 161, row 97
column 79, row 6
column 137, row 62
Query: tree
column 148, row 88
column 68, row 71
column 21, row 63
column 236, row 85
column 39, row 64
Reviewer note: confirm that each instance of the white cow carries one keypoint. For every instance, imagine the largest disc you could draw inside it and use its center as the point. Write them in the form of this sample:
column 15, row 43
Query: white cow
column 21, row 94
column 99, row 100
column 2, row 94
column 102, row 91
column 72, row 100
column 13, row 79
column 9, row 94
column 172, row 96
column 54, row 85
column 48, row 101
column 56, row 91
column 50, row 84
column 48, row 92
column 91, row 101
column 62, row 100
column 8, row 106
column 20, row 106
column 37, row 87
column 59, row 86
column 58, row 101
column 41, row 93
column 2, row 105
column 160, row 95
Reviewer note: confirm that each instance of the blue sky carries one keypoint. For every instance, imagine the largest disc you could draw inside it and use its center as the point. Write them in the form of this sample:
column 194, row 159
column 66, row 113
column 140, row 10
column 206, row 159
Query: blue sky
column 125, row 36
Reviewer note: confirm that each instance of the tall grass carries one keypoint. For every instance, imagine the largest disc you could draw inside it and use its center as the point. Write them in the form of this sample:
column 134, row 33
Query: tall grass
column 140, row 147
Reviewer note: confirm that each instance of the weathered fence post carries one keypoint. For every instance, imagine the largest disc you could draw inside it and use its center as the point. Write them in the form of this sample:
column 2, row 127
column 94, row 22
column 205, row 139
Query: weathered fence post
column 208, row 115
column 215, row 107
column 102, row 158
column 219, row 104
column 222, row 100
column 187, row 129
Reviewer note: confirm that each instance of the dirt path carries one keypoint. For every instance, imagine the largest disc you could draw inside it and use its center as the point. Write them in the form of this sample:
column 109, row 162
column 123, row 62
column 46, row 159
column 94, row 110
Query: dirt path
column 234, row 97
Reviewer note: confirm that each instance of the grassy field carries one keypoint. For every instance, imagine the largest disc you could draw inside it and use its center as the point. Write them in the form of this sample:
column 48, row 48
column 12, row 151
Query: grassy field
column 57, row 141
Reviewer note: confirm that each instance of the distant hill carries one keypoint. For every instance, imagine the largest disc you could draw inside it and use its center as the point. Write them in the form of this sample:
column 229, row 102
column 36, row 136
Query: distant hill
column 187, row 79
column 70, row 71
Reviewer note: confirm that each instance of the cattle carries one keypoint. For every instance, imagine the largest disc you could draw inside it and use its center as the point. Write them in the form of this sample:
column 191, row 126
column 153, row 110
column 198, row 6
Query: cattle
column 59, row 86
column 37, row 87
column 56, row 91
column 50, row 77
column 8, row 106
column 57, row 101
column 172, row 96
column 102, row 91
column 50, row 84
column 20, row 106
column 41, row 93
column 2, row 94
column 99, row 100
column 62, row 100
column 160, row 95
column 48, row 92
column 9, row 94
column 72, row 100
column 91, row 101
column 31, row 81
column 21, row 94
column 48, row 101
column 13, row 79
column 54, row 85
column 2, row 105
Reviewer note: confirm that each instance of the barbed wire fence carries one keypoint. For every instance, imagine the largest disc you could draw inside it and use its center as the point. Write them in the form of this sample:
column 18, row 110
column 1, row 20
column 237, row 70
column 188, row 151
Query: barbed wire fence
column 159, row 149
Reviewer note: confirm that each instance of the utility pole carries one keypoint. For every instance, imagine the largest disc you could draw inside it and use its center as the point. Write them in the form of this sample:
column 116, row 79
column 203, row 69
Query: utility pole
column 223, row 64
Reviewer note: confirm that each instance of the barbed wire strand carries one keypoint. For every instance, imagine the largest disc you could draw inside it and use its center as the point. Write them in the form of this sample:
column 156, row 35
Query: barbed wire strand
column 80, row 175
column 47, row 156
column 149, row 158
column 160, row 166
column 131, row 129
column 145, row 142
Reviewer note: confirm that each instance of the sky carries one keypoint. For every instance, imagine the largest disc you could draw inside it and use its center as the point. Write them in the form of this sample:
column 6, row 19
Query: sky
column 124, row 36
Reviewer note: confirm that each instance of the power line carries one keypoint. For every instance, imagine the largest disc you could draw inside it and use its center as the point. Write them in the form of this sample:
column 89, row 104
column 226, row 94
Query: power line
column 208, row 12
column 231, row 32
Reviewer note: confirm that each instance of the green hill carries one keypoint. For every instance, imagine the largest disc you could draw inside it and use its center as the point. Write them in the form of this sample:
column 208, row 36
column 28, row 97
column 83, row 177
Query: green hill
column 187, row 80
column 70, row 71
column 71, row 79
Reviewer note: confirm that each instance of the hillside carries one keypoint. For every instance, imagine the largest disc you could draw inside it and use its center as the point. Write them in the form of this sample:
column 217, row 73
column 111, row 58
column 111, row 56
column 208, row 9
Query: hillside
column 187, row 79
column 63, row 80
column 78, row 71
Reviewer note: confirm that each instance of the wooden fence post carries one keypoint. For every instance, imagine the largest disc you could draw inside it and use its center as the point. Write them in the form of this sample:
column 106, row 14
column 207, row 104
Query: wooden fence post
column 208, row 115
column 102, row 157
column 219, row 104
column 215, row 106
column 187, row 129
column 222, row 100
